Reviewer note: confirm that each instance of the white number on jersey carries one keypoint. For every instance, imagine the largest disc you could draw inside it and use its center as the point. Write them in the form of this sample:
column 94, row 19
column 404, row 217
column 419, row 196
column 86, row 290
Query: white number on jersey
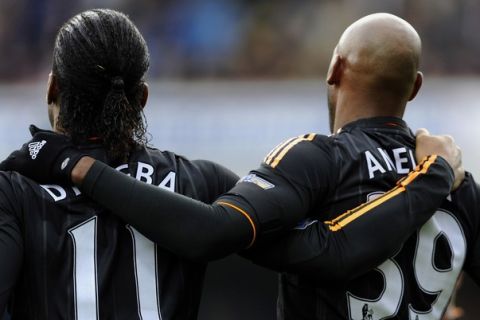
column 430, row 278
column 84, row 238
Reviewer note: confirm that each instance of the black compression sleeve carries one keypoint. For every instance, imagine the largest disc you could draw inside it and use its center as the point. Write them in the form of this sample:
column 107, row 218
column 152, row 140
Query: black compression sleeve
column 362, row 238
column 189, row 228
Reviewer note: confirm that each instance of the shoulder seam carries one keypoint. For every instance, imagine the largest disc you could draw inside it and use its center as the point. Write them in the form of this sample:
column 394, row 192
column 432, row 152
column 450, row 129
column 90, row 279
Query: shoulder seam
column 277, row 154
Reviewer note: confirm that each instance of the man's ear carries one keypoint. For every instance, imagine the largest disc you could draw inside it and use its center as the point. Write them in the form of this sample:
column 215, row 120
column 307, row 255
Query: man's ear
column 52, row 89
column 416, row 86
column 335, row 70
column 143, row 102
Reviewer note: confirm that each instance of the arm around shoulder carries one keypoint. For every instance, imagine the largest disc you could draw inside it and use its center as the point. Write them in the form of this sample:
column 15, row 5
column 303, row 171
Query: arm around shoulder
column 361, row 238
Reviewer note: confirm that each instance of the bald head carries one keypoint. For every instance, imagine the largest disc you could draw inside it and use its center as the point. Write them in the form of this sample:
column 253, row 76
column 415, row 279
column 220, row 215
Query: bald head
column 383, row 50
column 375, row 65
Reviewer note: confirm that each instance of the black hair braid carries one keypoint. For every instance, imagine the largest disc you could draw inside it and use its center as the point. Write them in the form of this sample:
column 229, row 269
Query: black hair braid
column 119, row 113
column 99, row 60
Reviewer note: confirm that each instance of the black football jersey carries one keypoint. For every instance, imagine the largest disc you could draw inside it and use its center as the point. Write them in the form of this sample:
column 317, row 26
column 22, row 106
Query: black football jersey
column 364, row 160
column 418, row 281
column 310, row 176
column 64, row 257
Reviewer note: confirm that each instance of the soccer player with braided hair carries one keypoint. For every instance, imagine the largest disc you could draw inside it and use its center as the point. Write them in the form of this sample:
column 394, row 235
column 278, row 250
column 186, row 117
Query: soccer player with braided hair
column 64, row 257
column 78, row 260
column 98, row 79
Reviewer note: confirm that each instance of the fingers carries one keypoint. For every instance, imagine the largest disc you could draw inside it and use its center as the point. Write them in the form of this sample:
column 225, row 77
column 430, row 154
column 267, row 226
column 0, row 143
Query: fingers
column 422, row 132
column 444, row 146
column 458, row 170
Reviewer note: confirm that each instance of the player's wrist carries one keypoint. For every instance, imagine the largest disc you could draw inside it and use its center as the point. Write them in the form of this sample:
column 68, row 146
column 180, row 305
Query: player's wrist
column 457, row 172
column 81, row 169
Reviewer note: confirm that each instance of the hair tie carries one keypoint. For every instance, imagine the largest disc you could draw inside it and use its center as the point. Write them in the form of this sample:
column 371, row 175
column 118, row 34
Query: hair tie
column 117, row 84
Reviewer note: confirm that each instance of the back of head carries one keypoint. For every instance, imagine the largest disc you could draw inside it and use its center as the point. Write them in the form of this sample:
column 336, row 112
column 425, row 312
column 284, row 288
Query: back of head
column 99, row 62
column 382, row 54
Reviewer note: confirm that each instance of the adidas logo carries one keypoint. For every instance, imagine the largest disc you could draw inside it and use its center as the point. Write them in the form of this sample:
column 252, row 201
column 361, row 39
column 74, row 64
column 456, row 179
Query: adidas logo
column 34, row 148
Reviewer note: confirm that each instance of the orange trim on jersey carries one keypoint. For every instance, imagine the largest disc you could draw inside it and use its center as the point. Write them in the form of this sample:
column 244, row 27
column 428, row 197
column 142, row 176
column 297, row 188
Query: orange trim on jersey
column 246, row 215
column 344, row 219
column 276, row 150
column 352, row 215
column 420, row 169
column 282, row 154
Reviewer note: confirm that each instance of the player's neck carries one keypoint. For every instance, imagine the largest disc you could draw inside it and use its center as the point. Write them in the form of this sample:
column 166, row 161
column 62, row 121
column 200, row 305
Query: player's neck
column 355, row 107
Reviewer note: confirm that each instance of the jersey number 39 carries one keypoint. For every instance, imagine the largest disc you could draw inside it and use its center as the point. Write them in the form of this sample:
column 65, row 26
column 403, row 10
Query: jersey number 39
column 430, row 278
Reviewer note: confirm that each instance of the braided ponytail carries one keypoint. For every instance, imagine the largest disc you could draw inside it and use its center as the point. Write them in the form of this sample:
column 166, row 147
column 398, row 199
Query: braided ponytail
column 100, row 59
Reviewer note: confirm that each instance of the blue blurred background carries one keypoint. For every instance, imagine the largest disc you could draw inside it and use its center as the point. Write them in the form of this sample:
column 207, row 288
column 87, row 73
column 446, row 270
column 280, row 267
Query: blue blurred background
column 231, row 79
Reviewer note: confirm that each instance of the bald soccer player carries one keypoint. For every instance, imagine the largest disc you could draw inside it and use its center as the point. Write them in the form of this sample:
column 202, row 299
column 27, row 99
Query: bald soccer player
column 374, row 72
column 310, row 176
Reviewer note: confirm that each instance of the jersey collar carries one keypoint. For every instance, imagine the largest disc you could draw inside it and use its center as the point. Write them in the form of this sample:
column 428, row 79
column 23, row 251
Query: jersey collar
column 377, row 122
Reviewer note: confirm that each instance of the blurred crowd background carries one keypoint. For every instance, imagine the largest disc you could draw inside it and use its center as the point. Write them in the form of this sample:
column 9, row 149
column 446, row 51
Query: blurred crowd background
column 225, row 73
column 242, row 38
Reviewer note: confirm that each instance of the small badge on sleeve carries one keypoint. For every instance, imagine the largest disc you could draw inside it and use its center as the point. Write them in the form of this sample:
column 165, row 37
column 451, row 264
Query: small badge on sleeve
column 262, row 183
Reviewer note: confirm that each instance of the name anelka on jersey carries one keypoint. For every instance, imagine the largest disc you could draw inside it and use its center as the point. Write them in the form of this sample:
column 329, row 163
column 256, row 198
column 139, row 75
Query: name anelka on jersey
column 367, row 157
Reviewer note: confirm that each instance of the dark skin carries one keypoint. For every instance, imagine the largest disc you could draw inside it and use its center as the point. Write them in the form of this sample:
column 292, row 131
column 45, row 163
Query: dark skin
column 426, row 144
column 164, row 211
column 373, row 74
column 370, row 75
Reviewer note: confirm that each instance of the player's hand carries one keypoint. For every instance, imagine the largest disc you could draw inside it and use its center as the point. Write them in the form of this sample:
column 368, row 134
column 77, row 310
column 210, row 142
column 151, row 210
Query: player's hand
column 443, row 146
column 48, row 157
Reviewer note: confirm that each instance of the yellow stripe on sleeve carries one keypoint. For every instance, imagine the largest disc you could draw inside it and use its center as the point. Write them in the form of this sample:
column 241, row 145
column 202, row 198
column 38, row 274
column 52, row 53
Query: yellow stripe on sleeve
column 275, row 150
column 293, row 143
column 420, row 169
column 246, row 215
column 352, row 215
column 344, row 219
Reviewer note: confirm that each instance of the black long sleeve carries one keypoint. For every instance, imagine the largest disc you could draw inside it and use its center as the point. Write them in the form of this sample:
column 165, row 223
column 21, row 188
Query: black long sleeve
column 199, row 231
column 190, row 228
column 338, row 250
